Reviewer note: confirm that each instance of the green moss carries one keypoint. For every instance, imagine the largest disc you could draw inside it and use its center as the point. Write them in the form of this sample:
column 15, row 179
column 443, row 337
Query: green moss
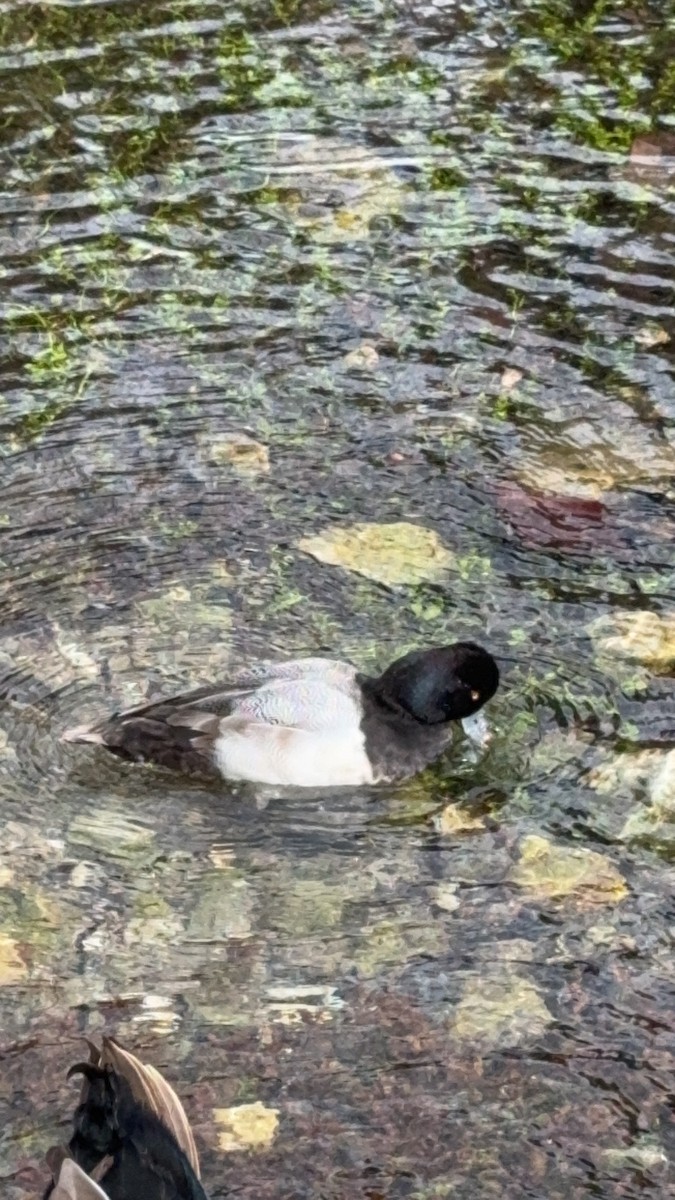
column 244, row 66
column 610, row 105
column 149, row 148
column 310, row 906
column 28, row 915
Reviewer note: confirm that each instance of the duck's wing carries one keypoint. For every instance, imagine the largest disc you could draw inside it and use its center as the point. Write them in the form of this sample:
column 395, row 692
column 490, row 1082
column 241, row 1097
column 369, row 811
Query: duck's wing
column 181, row 732
column 309, row 703
column 149, row 1088
column 219, row 699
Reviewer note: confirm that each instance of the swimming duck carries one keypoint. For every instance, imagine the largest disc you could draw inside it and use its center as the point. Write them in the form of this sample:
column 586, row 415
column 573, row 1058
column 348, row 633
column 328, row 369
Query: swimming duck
column 131, row 1138
column 310, row 722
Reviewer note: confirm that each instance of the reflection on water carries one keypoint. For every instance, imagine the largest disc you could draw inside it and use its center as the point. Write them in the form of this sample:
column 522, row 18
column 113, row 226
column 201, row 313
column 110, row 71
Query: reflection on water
column 268, row 272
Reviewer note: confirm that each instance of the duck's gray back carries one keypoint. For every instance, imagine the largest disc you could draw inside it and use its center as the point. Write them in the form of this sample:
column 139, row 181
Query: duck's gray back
column 299, row 704
column 310, row 693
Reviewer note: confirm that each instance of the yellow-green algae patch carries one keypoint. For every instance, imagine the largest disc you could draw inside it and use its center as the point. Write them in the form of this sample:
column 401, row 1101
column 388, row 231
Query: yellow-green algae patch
column 395, row 554
column 548, row 871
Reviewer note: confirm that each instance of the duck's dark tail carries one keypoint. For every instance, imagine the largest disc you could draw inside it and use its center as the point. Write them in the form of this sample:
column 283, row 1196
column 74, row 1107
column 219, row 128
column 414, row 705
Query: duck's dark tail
column 131, row 1138
column 172, row 735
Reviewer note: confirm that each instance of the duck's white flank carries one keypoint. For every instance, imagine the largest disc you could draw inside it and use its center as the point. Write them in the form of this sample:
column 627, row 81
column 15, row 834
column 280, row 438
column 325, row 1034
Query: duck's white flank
column 302, row 732
column 281, row 754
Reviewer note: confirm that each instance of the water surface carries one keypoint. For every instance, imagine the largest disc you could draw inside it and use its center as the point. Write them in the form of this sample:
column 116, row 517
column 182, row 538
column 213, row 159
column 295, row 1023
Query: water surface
column 422, row 256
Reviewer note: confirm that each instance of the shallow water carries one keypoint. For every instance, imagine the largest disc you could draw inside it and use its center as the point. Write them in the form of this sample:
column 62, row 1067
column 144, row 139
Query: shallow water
column 422, row 256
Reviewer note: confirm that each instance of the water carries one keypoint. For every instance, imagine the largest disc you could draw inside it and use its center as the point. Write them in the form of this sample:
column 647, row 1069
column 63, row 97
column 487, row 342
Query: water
column 422, row 257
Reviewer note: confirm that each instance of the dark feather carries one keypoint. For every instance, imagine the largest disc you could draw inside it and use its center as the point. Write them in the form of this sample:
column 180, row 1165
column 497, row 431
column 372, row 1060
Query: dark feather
column 132, row 1151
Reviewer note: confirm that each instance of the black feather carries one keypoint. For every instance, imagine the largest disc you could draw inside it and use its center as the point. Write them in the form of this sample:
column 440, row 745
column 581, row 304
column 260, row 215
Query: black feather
column 147, row 1162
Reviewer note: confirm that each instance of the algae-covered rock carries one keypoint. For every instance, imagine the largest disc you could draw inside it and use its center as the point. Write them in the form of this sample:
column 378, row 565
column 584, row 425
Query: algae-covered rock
column 246, row 1126
column 309, row 906
column 55, row 658
column 111, row 832
column 446, row 896
column 396, row 941
column 597, row 457
column 363, row 357
column 338, row 188
column 656, row 820
column 154, row 922
column 151, row 931
column 548, row 871
column 181, row 609
column 643, row 637
column 179, row 629
column 500, row 1010
column 414, row 801
column 30, row 915
column 581, row 484
column 224, row 909
column 12, row 967
column 454, row 819
column 239, row 451
column 624, row 774
column 556, row 750
column 395, row 554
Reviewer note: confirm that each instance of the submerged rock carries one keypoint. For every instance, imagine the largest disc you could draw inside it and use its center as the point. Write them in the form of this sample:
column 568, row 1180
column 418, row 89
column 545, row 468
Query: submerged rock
column 500, row 1010
column 445, row 895
column 12, row 967
column 239, row 451
column 397, row 941
column 31, row 917
column 164, row 929
column 624, row 774
column 656, row 820
column 554, row 872
column 645, row 1154
column 561, row 521
column 581, row 484
column 246, row 1126
column 224, row 909
column 394, row 554
column 652, row 335
column 643, row 637
column 455, row 819
column 6, row 750
column 292, row 1004
column 310, row 906
column 363, row 357
column 338, row 188
column 181, row 609
column 111, row 832
column 600, row 457
column 510, row 378
column 172, row 629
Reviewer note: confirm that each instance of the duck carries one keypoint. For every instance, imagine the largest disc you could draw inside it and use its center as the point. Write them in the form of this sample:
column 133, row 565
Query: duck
column 311, row 722
column 131, row 1138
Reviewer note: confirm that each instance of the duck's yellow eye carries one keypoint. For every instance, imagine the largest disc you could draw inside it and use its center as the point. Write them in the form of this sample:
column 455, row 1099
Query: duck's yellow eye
column 475, row 696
